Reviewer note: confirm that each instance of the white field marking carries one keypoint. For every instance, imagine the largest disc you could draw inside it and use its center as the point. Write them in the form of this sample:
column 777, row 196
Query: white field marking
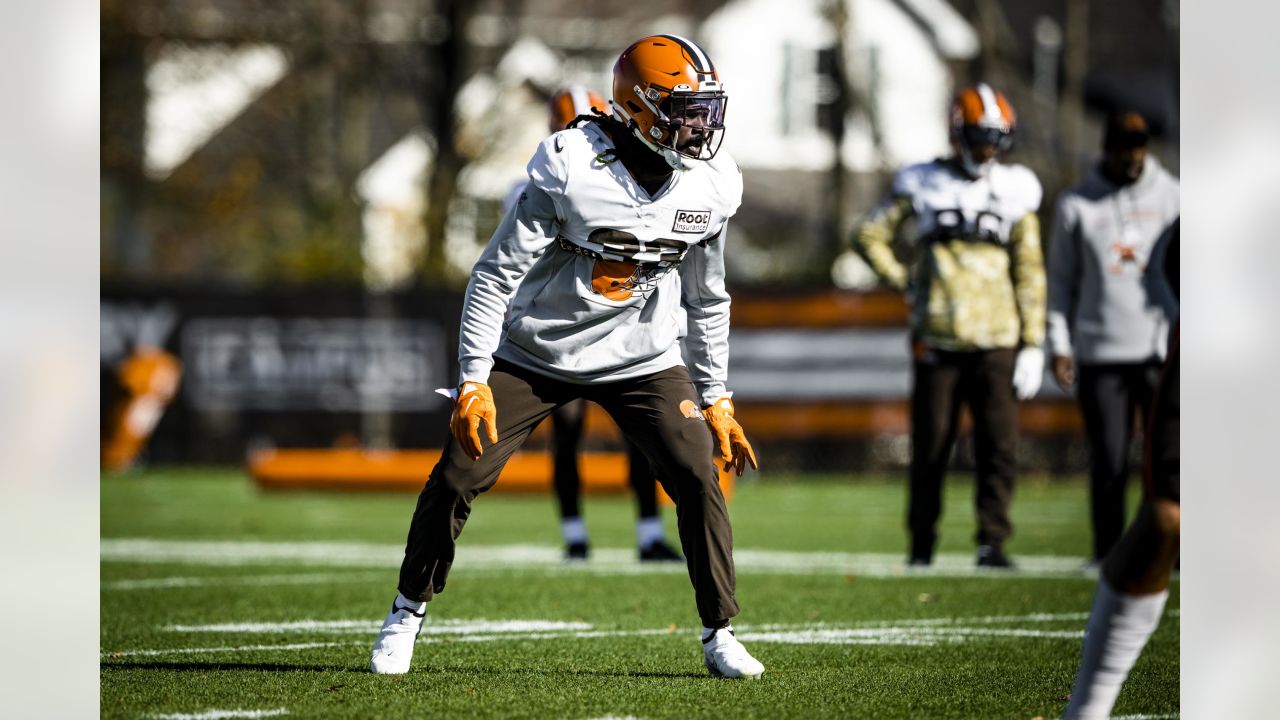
column 236, row 649
column 924, row 622
column 220, row 714
column 797, row 635
column 919, row 631
column 343, row 627
column 887, row 636
column 260, row 580
column 1144, row 717
column 545, row 559
column 236, row 552
column 986, row 619
column 546, row 636
column 899, row 636
column 425, row 639
column 539, row 628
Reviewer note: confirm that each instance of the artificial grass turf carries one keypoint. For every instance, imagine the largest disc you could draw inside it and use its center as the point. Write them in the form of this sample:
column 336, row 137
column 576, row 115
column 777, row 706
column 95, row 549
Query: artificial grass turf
column 626, row 674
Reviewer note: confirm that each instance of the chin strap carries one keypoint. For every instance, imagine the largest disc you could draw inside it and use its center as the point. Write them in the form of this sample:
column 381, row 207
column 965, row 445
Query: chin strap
column 673, row 158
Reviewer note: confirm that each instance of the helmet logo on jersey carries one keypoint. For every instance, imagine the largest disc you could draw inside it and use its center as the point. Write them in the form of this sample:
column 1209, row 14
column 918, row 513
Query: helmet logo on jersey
column 626, row 265
column 692, row 221
column 613, row 279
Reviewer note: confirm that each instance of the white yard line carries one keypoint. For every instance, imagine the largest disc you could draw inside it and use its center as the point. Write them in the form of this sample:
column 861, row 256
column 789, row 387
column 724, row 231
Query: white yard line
column 917, row 631
column 251, row 580
column 513, row 628
column 900, row 635
column 927, row 622
column 220, row 714
column 370, row 626
column 236, row 552
column 799, row 635
column 548, row 559
column 999, row 619
column 549, row 636
column 236, row 649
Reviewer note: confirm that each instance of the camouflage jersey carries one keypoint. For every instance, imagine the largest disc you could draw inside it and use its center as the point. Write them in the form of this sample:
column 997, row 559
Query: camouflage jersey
column 977, row 281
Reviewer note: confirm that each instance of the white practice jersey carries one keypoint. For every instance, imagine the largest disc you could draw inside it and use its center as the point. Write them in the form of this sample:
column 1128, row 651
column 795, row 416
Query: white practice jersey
column 947, row 202
column 590, row 279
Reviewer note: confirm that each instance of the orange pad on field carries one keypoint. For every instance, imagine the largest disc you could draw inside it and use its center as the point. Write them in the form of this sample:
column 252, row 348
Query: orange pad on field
column 407, row 470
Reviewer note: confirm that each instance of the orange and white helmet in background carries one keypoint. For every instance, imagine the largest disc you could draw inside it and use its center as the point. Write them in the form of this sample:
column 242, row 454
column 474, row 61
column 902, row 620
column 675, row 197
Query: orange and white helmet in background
column 981, row 115
column 662, row 83
column 571, row 101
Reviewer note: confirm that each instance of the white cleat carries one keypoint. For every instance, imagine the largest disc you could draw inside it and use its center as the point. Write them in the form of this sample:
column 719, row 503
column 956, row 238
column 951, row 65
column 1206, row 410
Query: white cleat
column 727, row 658
column 393, row 649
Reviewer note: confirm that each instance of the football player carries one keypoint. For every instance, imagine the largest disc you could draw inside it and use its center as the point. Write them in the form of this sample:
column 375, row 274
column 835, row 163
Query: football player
column 1134, row 582
column 146, row 381
column 612, row 254
column 566, row 105
column 977, row 290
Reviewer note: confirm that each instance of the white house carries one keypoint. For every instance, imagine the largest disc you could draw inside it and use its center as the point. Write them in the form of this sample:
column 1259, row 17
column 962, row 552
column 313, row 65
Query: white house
column 896, row 51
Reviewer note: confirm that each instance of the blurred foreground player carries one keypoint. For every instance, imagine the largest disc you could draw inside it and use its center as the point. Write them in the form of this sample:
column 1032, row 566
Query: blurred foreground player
column 1134, row 584
column 977, row 290
column 614, row 252
column 146, row 382
column 565, row 106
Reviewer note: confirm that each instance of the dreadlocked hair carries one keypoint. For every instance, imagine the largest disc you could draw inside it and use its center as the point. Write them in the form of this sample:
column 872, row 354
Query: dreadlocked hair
column 613, row 128
column 645, row 165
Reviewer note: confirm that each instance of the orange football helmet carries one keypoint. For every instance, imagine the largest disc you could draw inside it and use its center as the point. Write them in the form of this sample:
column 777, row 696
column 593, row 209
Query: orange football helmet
column 571, row 101
column 981, row 116
column 664, row 83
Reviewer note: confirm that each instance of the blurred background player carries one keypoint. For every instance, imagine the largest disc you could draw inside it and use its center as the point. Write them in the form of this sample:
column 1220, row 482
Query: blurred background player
column 567, row 104
column 1134, row 584
column 977, row 289
column 612, row 254
column 1109, row 305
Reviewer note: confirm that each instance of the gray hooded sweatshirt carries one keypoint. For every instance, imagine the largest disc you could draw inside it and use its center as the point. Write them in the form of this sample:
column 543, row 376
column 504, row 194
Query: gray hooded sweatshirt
column 1109, row 301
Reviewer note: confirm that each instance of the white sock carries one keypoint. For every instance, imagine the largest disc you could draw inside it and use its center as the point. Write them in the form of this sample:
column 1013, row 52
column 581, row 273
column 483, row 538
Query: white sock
column 414, row 605
column 708, row 632
column 649, row 531
column 574, row 530
column 1119, row 627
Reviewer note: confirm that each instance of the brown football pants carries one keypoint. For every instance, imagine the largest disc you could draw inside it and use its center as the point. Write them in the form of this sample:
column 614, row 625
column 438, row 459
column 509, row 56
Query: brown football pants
column 1108, row 396
column 652, row 412
column 944, row 381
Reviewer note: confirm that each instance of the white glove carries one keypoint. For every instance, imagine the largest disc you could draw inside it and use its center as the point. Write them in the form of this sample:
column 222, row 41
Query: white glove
column 1028, row 372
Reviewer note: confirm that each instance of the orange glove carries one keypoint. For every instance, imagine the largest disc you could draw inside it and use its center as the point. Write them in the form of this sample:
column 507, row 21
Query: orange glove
column 735, row 451
column 475, row 403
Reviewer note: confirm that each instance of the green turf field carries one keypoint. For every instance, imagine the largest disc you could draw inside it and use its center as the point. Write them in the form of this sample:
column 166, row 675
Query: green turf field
column 219, row 598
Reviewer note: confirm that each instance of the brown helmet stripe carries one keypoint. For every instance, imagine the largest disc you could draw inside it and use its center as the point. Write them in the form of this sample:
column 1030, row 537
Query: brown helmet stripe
column 701, row 63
